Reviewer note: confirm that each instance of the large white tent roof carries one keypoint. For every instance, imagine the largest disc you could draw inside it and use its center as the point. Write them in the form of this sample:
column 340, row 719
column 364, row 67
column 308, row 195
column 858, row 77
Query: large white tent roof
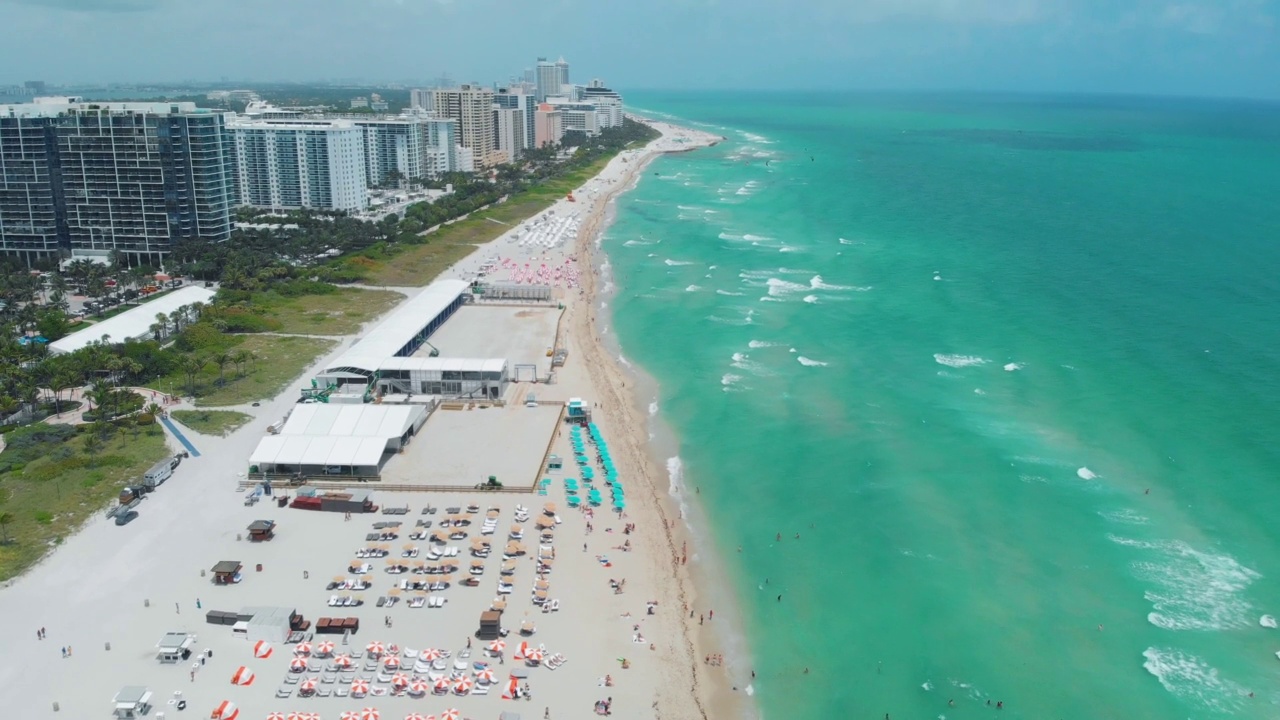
column 400, row 327
column 439, row 364
column 132, row 323
column 322, row 434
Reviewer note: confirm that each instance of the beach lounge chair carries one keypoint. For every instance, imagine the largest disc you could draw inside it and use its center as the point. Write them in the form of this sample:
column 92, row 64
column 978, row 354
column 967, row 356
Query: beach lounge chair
column 323, row 692
column 329, row 678
column 439, row 665
column 554, row 604
column 284, row 692
column 480, row 689
column 291, row 679
column 341, row 692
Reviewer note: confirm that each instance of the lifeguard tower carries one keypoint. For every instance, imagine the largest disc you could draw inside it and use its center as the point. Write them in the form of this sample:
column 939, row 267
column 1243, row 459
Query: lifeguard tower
column 577, row 411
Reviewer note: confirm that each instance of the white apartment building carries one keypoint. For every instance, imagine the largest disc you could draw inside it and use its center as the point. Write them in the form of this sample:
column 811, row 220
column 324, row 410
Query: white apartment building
column 300, row 163
column 510, row 127
column 472, row 107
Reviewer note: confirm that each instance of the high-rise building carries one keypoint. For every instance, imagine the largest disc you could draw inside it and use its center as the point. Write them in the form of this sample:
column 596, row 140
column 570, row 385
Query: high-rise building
column 420, row 100
column 441, row 149
column 394, row 149
column 562, row 73
column 509, row 126
column 85, row 179
column 547, row 78
column 608, row 104
column 301, row 163
column 548, row 126
column 472, row 107
column 513, row 98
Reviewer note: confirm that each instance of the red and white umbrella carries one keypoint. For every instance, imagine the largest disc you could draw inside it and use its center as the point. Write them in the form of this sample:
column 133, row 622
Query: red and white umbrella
column 302, row 648
column 415, row 716
column 243, row 676
column 431, row 654
column 497, row 646
column 442, row 684
column 451, row 714
column 534, row 655
column 297, row 665
column 275, row 716
column 349, row 715
column 343, row 661
column 226, row 710
column 391, row 663
column 324, row 647
column 369, row 714
column 375, row 648
column 359, row 686
column 393, row 649
column 308, row 685
column 486, row 676
column 262, row 649
column 463, row 685
column 399, row 679
column 295, row 715
column 419, row 687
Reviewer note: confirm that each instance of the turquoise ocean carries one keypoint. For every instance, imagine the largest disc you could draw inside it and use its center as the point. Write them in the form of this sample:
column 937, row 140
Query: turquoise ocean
column 1008, row 366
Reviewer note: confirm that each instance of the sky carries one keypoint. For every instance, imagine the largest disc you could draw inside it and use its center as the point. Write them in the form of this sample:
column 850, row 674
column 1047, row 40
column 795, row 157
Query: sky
column 1160, row 47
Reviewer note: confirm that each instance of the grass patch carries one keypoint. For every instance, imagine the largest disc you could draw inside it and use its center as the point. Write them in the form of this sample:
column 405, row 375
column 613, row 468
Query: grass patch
column 338, row 313
column 211, row 422
column 280, row 359
column 420, row 264
column 60, row 479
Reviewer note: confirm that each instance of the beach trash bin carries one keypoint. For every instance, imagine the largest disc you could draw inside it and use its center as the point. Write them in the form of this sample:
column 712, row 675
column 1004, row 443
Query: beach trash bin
column 259, row 566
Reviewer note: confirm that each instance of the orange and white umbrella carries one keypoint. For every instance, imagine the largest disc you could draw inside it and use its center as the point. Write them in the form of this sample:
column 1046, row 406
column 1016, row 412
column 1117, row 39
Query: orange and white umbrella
column 391, row 663
column 442, row 684
column 486, row 676
column 295, row 715
column 370, row 714
column 262, row 649
column 399, row 679
column 226, row 710
column 415, row 716
column 497, row 646
column 324, row 647
column 276, row 716
column 243, row 676
column 431, row 654
column 419, row 687
column 302, row 648
column 359, row 686
column 308, row 685
column 534, row 655
column 451, row 714
column 349, row 715
column 343, row 661
column 375, row 648
column 297, row 665
column 463, row 685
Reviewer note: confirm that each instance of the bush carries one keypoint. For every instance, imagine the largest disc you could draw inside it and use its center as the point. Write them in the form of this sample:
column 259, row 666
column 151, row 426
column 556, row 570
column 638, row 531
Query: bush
column 298, row 288
column 145, row 419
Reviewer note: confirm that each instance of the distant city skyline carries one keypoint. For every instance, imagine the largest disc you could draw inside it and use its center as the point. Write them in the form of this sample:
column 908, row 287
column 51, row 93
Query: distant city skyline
column 1161, row 47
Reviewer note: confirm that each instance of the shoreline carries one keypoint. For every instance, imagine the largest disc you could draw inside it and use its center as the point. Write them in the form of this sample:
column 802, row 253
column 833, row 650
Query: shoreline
column 653, row 451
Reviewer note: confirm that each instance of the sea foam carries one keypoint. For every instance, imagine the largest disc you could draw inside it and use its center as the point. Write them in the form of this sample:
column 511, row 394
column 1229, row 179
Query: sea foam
column 808, row 362
column 958, row 361
column 1191, row 679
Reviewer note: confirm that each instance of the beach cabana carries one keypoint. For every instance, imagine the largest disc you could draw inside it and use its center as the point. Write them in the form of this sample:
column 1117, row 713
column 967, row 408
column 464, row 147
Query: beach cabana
column 174, row 647
column 133, row 701
column 225, row 710
column 262, row 530
column 227, row 572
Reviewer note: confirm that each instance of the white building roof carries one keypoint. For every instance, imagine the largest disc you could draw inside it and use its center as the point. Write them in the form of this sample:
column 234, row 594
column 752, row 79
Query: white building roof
column 440, row 364
column 323, row 434
column 133, row 323
column 392, row 334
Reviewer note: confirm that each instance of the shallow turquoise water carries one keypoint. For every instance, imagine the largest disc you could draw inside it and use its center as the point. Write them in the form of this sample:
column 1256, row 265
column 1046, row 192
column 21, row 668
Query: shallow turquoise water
column 952, row 341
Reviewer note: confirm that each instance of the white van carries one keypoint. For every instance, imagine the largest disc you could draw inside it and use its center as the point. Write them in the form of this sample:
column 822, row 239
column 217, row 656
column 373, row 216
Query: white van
column 160, row 472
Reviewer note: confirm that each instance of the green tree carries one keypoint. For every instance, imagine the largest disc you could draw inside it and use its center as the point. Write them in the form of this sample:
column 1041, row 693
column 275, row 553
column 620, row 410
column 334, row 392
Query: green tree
column 221, row 360
column 5, row 519
column 241, row 358
column 191, row 366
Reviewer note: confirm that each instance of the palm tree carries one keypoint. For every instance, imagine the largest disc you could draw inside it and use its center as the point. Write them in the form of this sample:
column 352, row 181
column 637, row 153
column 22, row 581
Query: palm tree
column 191, row 366
column 5, row 519
column 221, row 360
column 240, row 359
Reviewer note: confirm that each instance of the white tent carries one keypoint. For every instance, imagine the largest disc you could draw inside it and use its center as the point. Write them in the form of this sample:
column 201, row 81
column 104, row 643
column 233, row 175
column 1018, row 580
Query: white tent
column 132, row 324
column 337, row 439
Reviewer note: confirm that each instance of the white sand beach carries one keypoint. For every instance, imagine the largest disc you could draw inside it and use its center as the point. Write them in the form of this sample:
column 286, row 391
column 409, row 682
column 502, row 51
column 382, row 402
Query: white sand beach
column 110, row 593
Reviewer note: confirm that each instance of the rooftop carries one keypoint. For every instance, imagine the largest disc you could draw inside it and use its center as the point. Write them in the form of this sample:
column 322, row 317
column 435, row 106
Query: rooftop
column 401, row 326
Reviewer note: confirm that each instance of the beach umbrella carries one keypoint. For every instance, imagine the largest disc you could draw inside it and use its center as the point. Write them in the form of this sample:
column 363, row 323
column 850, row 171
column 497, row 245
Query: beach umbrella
column 325, row 647
column 375, row 648
column 451, row 714
column 463, row 685
column 399, row 679
column 430, row 654
column 302, row 648
column 308, row 684
column 418, row 686
column 442, row 684
column 297, row 665
column 226, row 710
column 497, row 646
column 343, row 661
column 391, row 663
column 359, row 686
column 262, row 649
column 369, row 714
column 485, row 676
column 534, row 655
column 415, row 716
column 295, row 715
column 349, row 715
column 276, row 716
